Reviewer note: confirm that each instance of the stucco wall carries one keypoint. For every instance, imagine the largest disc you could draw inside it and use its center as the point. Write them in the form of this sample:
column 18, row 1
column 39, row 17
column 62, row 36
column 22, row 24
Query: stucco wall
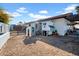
column 28, row 28
column 3, row 38
column 32, row 33
column 3, row 26
column 6, row 34
column 61, row 26
column 46, row 28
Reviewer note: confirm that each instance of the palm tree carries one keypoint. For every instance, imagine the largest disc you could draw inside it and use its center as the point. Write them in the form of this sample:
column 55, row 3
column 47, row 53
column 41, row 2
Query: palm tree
column 4, row 17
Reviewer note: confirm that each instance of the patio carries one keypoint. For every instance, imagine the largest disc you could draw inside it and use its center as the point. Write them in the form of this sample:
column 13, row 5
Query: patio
column 20, row 45
column 40, row 45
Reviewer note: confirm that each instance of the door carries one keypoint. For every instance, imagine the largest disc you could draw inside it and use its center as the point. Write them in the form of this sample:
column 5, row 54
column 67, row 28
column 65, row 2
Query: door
column 44, row 33
column 28, row 32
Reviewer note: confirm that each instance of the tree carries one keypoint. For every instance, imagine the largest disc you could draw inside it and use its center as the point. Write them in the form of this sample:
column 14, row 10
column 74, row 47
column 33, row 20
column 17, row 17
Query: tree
column 77, row 9
column 4, row 17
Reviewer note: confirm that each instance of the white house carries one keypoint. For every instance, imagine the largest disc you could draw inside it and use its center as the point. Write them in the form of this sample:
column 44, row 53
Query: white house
column 49, row 25
column 4, row 34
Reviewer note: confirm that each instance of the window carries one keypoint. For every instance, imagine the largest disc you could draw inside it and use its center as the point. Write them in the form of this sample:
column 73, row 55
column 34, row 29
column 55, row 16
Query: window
column 52, row 28
column 44, row 24
column 36, row 26
column 29, row 24
column 0, row 28
column 33, row 29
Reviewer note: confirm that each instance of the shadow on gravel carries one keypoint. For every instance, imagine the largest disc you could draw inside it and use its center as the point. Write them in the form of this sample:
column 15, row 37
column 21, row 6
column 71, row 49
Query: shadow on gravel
column 66, row 43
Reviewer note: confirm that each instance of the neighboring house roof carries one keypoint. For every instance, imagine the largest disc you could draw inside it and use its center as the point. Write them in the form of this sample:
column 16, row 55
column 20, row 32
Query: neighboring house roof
column 76, row 17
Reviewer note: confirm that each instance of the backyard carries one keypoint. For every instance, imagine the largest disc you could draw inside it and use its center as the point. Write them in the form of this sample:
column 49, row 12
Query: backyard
column 20, row 45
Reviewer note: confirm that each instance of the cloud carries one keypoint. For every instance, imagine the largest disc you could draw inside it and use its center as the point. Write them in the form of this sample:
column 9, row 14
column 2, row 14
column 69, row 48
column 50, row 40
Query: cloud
column 17, row 12
column 68, row 9
column 71, row 8
column 37, row 16
column 14, row 14
column 22, row 10
column 43, row 12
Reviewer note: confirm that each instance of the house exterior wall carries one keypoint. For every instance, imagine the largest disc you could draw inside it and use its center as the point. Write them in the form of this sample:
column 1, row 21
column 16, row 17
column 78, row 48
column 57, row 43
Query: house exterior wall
column 6, row 28
column 38, row 28
column 6, row 34
column 61, row 26
column 28, row 33
column 31, row 29
column 2, row 28
column 46, row 27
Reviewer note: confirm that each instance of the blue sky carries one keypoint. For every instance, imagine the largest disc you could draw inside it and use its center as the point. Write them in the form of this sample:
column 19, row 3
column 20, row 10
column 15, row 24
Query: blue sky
column 27, row 12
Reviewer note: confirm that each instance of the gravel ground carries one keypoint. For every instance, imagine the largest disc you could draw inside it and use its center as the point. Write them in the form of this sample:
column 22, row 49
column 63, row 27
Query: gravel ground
column 16, row 47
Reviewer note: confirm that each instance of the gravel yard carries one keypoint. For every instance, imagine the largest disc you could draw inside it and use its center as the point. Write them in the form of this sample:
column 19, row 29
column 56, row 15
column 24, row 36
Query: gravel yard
column 19, row 45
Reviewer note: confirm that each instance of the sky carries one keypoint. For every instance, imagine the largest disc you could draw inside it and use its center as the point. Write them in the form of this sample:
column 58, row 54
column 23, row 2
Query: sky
column 27, row 12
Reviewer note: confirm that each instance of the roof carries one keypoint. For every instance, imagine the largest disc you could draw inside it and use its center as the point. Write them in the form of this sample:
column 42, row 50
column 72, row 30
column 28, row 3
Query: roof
column 66, row 16
column 74, row 19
